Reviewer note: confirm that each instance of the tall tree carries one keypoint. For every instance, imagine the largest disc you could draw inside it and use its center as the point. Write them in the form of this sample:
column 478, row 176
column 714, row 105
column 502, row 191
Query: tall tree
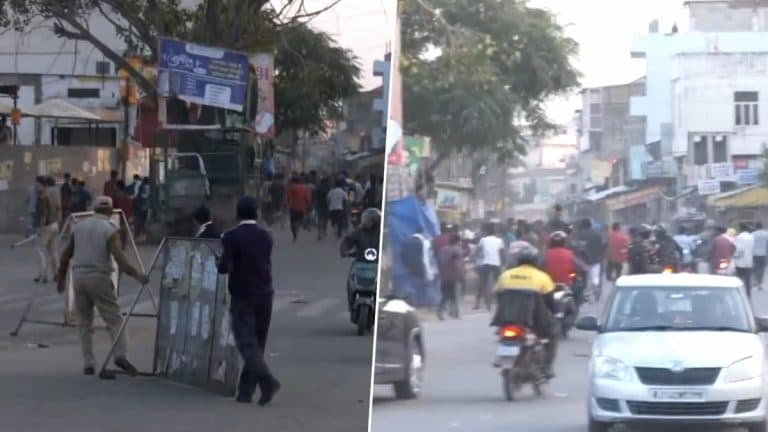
column 304, row 56
column 476, row 73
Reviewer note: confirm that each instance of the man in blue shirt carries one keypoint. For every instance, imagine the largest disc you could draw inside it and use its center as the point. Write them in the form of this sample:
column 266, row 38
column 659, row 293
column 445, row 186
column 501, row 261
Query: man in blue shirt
column 247, row 258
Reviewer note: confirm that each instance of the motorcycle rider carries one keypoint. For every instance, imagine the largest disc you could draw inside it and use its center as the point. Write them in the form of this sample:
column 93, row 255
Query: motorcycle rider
column 363, row 243
column 526, row 276
column 561, row 263
column 640, row 252
column 687, row 244
column 588, row 246
column 668, row 252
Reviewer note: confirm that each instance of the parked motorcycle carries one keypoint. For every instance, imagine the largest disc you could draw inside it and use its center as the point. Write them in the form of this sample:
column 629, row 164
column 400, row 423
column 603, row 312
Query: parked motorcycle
column 361, row 291
column 567, row 309
column 521, row 357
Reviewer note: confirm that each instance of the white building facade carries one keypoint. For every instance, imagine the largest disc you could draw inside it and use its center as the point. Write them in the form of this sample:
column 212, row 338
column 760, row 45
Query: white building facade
column 705, row 93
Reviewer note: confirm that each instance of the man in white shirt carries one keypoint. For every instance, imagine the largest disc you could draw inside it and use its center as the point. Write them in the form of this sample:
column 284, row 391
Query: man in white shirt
column 337, row 200
column 491, row 252
column 743, row 258
column 760, row 251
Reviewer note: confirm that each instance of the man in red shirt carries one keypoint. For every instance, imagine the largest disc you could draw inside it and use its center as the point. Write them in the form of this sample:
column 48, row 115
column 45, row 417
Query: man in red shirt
column 723, row 249
column 559, row 261
column 443, row 239
column 299, row 200
column 618, row 242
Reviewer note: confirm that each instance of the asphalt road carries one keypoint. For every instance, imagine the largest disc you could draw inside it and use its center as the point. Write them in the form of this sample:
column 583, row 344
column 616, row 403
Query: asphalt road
column 324, row 367
column 463, row 392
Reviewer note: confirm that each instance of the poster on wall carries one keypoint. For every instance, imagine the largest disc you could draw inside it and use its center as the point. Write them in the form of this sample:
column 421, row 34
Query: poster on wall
column 264, row 65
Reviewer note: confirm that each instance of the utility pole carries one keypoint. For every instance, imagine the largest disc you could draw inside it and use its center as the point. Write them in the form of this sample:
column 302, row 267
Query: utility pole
column 126, row 127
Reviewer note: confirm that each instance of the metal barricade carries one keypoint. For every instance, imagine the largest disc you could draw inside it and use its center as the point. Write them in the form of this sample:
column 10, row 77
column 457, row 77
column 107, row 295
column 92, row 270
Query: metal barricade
column 193, row 344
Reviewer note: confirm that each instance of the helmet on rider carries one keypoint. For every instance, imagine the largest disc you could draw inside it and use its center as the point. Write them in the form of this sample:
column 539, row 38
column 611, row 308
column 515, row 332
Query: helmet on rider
column 370, row 218
column 557, row 239
column 660, row 229
column 644, row 231
column 528, row 255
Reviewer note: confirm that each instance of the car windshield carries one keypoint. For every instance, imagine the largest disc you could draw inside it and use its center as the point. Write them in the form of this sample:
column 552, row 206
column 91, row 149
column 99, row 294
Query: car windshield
column 671, row 309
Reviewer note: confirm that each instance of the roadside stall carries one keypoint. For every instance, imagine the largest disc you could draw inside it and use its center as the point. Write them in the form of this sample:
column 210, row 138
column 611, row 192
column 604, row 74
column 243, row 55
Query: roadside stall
column 749, row 204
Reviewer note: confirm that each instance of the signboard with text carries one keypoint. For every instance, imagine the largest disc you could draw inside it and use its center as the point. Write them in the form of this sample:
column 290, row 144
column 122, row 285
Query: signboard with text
column 747, row 176
column 203, row 75
column 709, row 187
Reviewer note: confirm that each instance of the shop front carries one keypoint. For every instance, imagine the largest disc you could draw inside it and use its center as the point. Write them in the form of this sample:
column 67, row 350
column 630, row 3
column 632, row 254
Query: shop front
column 636, row 207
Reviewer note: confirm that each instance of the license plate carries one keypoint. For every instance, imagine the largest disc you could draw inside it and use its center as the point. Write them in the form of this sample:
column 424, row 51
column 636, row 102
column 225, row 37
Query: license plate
column 678, row 395
column 508, row 351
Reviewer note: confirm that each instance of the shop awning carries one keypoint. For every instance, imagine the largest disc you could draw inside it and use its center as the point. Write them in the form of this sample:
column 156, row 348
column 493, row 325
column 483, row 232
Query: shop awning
column 749, row 197
column 597, row 196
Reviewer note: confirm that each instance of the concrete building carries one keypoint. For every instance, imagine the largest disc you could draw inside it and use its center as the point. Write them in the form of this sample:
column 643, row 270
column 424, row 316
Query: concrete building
column 607, row 131
column 543, row 179
column 703, row 95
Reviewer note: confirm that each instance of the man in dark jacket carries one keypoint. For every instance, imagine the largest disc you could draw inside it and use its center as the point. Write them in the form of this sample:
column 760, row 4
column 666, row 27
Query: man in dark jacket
column 206, row 229
column 247, row 258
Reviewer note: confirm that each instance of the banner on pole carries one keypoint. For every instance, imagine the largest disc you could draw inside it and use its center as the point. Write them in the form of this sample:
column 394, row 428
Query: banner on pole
column 203, row 75
column 264, row 65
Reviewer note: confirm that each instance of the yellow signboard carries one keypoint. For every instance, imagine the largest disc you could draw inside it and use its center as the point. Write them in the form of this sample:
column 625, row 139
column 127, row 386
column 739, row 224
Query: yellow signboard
column 600, row 170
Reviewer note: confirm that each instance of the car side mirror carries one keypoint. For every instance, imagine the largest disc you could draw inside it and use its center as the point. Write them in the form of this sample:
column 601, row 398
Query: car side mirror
column 762, row 324
column 587, row 323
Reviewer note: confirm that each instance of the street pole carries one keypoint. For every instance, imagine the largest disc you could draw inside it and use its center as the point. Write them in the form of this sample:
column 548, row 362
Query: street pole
column 126, row 126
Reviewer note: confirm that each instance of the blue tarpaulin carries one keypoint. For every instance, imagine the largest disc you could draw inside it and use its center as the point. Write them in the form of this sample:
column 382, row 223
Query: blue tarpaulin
column 405, row 218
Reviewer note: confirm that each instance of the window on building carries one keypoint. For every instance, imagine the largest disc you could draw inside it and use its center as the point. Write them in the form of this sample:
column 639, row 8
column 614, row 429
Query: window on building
column 700, row 150
column 746, row 111
column 719, row 149
column 595, row 141
column 83, row 136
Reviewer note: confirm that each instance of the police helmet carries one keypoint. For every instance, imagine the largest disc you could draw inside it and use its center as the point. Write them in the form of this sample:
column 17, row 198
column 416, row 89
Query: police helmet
column 371, row 217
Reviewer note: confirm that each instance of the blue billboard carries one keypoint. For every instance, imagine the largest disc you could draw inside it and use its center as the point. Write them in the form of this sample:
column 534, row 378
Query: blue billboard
column 203, row 75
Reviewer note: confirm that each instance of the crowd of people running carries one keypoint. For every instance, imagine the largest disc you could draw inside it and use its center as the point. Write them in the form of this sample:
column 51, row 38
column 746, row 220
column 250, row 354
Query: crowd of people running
column 313, row 200
column 591, row 253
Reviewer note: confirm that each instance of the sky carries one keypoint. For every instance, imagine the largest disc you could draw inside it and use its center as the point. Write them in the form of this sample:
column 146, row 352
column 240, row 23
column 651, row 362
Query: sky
column 363, row 26
column 604, row 30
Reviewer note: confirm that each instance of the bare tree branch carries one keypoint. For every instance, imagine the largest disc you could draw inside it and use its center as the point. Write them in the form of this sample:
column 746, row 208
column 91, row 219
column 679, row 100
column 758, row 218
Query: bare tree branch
column 302, row 13
column 81, row 32
column 139, row 25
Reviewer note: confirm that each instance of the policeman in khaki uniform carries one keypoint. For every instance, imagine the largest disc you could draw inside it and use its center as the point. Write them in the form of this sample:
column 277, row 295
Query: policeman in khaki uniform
column 93, row 243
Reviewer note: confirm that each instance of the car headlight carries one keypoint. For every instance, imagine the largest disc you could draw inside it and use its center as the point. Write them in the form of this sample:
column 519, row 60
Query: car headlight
column 743, row 370
column 610, row 368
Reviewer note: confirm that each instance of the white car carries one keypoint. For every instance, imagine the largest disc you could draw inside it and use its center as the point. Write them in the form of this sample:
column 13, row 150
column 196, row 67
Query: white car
column 677, row 349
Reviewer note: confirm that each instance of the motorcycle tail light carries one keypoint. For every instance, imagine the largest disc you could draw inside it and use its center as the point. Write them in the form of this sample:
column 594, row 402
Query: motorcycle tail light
column 511, row 332
column 667, row 269
column 723, row 265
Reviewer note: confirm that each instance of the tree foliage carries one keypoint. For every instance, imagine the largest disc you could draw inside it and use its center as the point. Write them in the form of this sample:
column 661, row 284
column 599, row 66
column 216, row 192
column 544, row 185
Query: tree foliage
column 304, row 57
column 476, row 73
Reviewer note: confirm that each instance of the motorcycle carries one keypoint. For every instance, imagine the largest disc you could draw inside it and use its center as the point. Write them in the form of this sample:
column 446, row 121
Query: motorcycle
column 361, row 291
column 567, row 309
column 520, row 355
